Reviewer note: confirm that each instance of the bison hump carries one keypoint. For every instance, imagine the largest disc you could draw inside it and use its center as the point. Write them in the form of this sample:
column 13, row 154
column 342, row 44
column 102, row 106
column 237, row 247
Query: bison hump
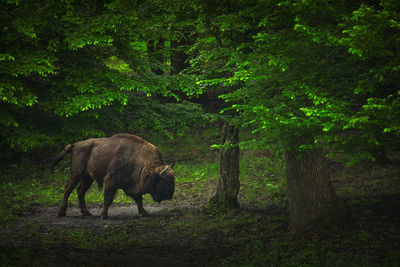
column 130, row 137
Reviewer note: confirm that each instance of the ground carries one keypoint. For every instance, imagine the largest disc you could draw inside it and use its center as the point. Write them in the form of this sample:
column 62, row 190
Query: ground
column 182, row 232
column 170, row 236
column 141, row 237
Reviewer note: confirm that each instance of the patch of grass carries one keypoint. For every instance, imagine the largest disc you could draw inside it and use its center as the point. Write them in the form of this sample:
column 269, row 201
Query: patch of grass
column 339, row 250
column 366, row 179
column 105, row 239
column 190, row 172
column 12, row 256
column 262, row 178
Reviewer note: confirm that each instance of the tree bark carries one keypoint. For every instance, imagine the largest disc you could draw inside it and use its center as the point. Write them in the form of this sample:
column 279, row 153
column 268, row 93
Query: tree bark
column 312, row 201
column 225, row 197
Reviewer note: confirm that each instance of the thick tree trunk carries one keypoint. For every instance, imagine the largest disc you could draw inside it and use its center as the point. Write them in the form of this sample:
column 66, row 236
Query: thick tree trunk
column 312, row 200
column 228, row 184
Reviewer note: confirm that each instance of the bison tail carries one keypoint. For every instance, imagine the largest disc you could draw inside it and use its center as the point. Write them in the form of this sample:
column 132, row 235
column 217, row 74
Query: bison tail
column 61, row 155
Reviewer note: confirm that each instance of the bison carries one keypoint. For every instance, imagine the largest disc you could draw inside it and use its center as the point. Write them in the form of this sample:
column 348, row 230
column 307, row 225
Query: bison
column 122, row 161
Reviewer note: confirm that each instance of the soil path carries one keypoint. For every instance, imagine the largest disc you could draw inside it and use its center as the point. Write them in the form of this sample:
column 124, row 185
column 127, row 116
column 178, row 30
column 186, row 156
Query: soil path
column 47, row 215
column 156, row 245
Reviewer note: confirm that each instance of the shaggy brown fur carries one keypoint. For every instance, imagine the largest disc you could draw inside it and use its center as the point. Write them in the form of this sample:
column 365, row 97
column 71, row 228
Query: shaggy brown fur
column 122, row 161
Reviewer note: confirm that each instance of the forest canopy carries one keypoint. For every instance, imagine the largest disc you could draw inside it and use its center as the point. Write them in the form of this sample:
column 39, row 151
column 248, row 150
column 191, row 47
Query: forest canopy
column 298, row 74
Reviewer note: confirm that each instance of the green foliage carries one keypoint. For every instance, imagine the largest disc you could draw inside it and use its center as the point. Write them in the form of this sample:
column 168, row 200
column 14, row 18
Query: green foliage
column 166, row 119
column 372, row 35
column 63, row 62
column 309, row 79
column 301, row 74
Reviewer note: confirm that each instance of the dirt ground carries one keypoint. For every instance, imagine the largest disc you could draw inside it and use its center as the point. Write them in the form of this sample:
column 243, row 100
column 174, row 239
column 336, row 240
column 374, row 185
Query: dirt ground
column 118, row 215
column 150, row 241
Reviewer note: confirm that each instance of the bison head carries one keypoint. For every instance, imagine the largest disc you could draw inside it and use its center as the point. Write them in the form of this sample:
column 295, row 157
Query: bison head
column 163, row 184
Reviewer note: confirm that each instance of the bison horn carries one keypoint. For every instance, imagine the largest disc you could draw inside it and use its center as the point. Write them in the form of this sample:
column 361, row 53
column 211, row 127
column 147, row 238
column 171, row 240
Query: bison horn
column 164, row 170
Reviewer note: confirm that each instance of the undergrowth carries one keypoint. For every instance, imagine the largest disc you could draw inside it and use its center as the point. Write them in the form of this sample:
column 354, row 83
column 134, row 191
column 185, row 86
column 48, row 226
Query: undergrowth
column 252, row 236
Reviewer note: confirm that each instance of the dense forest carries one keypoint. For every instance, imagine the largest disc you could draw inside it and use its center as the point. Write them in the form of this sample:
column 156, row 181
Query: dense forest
column 282, row 118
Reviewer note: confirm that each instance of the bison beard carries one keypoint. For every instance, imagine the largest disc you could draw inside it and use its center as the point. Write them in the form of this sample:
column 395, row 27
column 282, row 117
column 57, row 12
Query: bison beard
column 122, row 161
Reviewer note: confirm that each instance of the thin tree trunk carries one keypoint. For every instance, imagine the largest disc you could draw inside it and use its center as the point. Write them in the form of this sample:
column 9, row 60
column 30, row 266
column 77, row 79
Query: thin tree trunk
column 156, row 53
column 228, row 186
column 312, row 200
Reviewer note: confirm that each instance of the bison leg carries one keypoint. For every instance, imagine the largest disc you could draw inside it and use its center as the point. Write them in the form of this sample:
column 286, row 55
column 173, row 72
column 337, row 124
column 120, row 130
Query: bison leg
column 139, row 202
column 82, row 189
column 73, row 181
column 109, row 192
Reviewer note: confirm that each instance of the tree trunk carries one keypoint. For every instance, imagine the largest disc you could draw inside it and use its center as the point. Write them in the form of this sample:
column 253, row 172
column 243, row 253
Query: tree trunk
column 312, row 200
column 225, row 197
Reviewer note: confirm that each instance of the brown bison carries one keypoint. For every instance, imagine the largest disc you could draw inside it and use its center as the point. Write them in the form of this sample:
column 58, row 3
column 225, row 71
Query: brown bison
column 122, row 161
